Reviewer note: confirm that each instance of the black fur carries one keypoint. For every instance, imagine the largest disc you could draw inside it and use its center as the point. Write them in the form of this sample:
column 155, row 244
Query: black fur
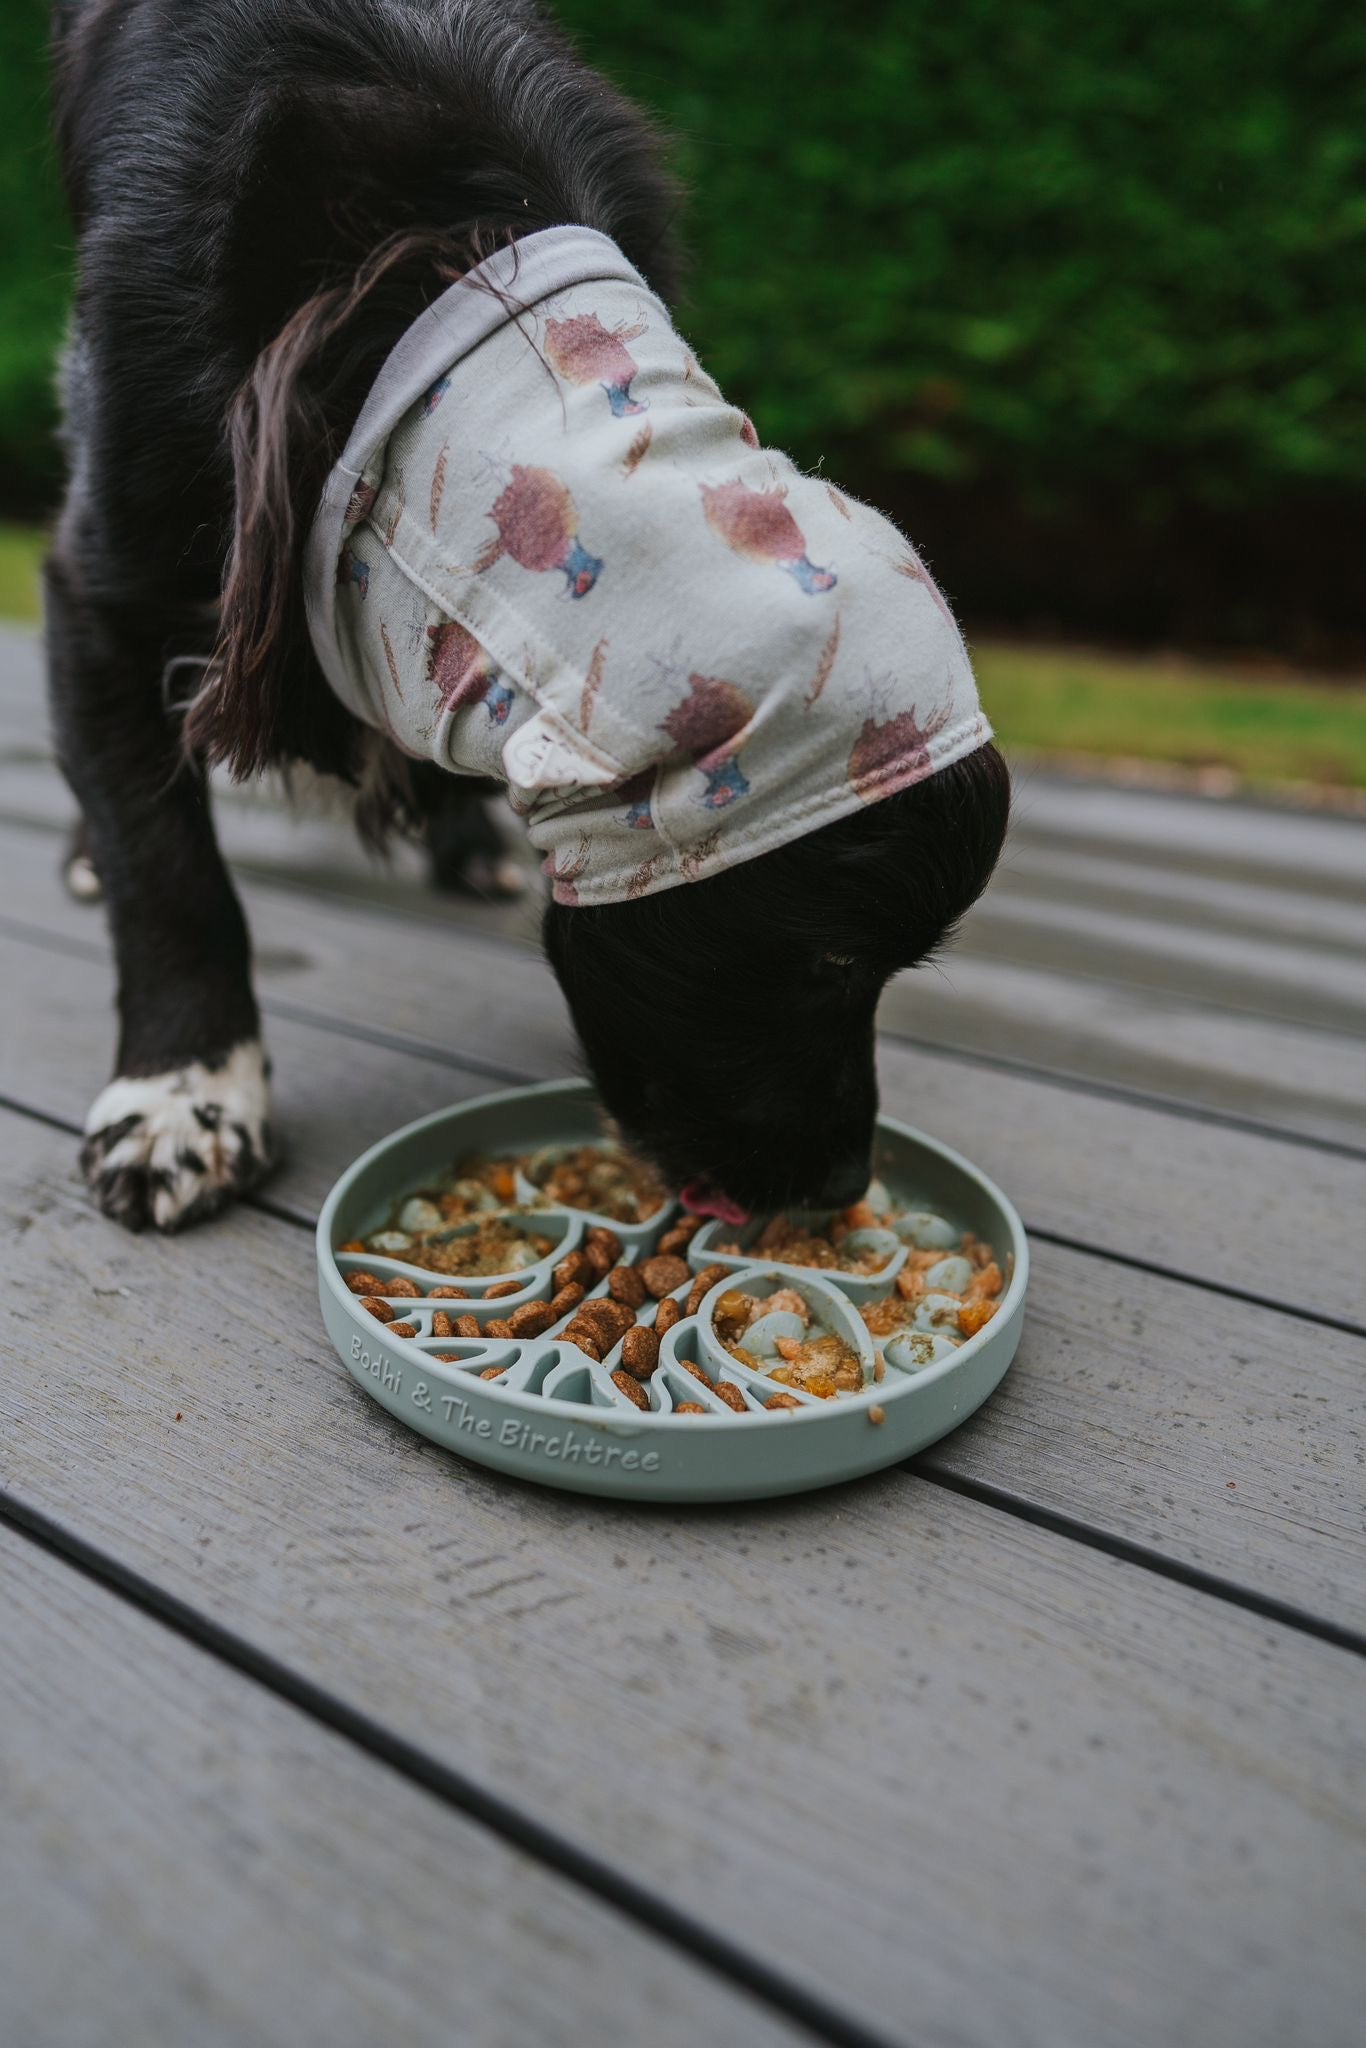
column 267, row 192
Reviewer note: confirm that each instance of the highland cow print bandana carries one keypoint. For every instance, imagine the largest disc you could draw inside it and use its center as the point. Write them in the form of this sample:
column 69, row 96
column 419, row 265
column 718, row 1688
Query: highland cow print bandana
column 553, row 554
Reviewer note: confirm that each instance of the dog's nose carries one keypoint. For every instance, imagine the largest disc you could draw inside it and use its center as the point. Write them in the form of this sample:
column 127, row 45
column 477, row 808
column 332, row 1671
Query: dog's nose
column 843, row 1184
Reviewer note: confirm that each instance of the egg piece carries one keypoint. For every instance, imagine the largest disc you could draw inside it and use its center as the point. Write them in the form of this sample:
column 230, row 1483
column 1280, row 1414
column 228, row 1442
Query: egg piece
column 926, row 1231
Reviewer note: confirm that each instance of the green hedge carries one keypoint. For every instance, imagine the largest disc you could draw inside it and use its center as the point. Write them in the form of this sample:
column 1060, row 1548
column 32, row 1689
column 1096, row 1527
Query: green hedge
column 1068, row 247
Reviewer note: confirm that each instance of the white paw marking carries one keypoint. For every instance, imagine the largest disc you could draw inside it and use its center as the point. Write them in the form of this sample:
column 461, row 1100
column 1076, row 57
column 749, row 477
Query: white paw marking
column 170, row 1148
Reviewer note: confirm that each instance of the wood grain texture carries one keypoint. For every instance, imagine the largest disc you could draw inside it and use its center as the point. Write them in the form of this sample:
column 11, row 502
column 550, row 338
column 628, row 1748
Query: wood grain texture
column 1212, row 1203
column 186, row 1859
column 1071, row 1802
column 1133, row 1403
column 1307, row 1083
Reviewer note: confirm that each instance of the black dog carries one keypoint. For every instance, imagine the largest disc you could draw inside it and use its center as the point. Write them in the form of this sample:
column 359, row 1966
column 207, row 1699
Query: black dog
column 267, row 193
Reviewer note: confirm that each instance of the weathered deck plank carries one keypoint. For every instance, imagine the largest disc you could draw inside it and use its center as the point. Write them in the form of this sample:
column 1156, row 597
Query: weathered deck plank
column 1134, row 1402
column 1215, row 1204
column 185, row 1858
column 1146, row 1796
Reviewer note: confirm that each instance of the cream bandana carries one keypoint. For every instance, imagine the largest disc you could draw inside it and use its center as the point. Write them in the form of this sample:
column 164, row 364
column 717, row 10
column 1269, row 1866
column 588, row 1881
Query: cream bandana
column 552, row 553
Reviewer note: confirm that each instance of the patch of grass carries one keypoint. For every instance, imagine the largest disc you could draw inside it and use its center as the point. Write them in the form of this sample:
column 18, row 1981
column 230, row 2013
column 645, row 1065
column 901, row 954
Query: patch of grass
column 1265, row 727
column 21, row 550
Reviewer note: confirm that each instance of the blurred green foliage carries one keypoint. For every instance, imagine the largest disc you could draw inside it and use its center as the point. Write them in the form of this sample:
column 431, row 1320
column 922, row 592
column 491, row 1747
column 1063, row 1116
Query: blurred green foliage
column 1065, row 246
column 35, row 255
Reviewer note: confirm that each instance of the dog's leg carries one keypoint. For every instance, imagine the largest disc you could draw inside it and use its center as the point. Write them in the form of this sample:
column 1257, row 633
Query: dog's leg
column 183, row 1126
column 468, row 854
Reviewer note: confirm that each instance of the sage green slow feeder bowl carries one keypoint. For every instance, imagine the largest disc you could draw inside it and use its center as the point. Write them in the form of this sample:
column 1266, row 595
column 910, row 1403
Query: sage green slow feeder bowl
column 554, row 1415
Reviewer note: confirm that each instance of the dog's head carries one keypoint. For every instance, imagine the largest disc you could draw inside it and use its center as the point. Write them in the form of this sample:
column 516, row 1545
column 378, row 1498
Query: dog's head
column 729, row 1024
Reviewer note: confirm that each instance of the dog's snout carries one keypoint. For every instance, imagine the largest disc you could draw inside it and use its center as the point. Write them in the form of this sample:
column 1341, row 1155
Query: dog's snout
column 844, row 1183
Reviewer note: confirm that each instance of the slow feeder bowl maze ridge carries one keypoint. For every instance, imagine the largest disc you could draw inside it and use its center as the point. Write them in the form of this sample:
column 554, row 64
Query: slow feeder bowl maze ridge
column 548, row 1411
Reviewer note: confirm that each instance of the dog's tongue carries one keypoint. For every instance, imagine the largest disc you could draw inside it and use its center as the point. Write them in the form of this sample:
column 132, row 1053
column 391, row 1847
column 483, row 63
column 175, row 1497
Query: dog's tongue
column 705, row 1201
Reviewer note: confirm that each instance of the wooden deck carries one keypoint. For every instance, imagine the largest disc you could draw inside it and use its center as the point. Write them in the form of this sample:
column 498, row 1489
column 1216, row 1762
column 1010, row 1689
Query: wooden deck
column 310, row 1733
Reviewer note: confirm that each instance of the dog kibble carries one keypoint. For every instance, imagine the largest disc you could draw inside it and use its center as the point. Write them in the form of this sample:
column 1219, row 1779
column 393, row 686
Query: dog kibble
column 702, row 1286
column 531, row 1319
column 640, row 1351
column 663, row 1273
column 353, row 1244
column 573, row 1271
column 947, row 1289
column 679, row 1235
column 627, row 1283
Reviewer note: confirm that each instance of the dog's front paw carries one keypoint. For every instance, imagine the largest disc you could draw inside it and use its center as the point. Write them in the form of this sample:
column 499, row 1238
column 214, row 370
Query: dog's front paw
column 170, row 1149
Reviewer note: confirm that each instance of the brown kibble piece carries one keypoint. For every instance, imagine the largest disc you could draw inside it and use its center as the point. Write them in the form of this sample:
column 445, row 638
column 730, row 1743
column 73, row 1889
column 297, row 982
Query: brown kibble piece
column 974, row 1316
column 598, row 1233
column 380, row 1310
column 680, row 1234
column 640, row 1351
column 697, row 1373
column 403, row 1329
column 689, row 1408
column 727, row 1391
column 569, row 1296
column 444, row 1357
column 586, row 1341
column 877, row 1414
column 599, row 1260
column 446, row 1294
column 363, row 1283
column 783, row 1401
column 667, row 1314
column 502, row 1287
column 663, row 1273
column 467, row 1326
column 573, row 1269
column 442, row 1324
column 531, row 1319
column 702, row 1285
column 493, row 1372
column 498, row 1328
column 625, row 1283
column 353, row 1244
column 632, row 1389
column 406, row 1290
column 613, row 1318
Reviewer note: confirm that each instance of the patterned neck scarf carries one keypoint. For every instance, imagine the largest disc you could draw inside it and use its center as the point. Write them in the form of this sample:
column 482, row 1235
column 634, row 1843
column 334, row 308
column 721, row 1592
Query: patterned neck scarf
column 553, row 554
